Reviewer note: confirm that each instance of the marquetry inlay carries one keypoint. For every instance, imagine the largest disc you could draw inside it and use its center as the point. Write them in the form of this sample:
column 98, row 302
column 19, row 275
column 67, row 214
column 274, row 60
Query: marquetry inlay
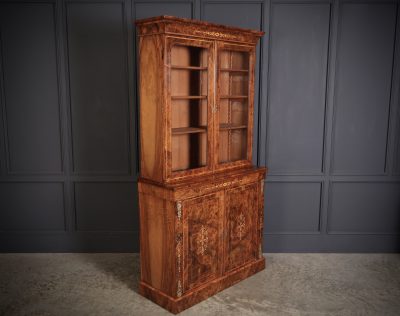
column 215, row 34
column 179, row 257
column 241, row 225
column 179, row 289
column 202, row 240
column 179, row 210
column 179, row 253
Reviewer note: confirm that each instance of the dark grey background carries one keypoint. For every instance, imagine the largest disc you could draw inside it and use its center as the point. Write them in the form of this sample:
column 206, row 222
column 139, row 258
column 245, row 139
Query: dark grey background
column 327, row 121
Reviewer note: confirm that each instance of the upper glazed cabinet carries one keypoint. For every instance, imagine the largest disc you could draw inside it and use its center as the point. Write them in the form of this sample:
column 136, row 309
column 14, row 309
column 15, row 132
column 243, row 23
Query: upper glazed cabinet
column 197, row 92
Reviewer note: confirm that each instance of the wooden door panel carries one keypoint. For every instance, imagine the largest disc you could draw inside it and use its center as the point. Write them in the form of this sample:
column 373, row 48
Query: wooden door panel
column 241, row 225
column 202, row 234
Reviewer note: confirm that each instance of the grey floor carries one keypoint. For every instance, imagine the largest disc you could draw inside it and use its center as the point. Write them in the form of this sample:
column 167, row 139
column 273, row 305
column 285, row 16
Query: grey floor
column 292, row 284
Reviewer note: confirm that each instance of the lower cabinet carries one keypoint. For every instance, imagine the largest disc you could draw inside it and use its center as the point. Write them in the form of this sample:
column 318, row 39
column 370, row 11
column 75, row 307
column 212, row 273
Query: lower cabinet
column 198, row 238
column 219, row 233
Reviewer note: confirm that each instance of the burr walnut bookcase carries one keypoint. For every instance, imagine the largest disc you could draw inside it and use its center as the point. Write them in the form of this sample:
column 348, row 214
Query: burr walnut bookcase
column 201, row 200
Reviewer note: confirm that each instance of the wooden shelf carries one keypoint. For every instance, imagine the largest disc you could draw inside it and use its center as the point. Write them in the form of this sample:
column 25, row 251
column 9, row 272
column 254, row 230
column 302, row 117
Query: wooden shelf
column 188, row 97
column 188, row 130
column 227, row 126
column 233, row 97
column 188, row 68
column 234, row 70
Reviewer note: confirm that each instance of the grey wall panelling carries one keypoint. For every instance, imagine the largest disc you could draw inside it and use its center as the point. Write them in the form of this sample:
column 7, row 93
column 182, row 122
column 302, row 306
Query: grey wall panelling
column 146, row 9
column 33, row 71
column 283, row 213
column 298, row 68
column 95, row 86
column 100, row 141
column 363, row 86
column 364, row 32
column 377, row 204
column 32, row 206
column 327, row 121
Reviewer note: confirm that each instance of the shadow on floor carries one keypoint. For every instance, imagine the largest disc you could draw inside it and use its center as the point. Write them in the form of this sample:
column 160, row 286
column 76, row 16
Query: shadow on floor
column 122, row 267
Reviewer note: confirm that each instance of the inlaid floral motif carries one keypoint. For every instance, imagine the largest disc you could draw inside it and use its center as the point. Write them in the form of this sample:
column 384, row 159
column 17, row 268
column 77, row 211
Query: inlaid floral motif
column 202, row 240
column 241, row 225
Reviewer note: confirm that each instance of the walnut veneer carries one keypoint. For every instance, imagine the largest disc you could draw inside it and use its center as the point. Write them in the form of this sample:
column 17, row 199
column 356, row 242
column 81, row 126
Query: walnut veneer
column 201, row 200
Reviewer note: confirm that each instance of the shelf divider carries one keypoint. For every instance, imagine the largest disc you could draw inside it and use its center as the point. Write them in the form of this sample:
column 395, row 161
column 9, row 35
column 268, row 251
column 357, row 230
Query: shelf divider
column 188, row 130
column 233, row 97
column 176, row 67
column 188, row 97
column 234, row 70
column 228, row 126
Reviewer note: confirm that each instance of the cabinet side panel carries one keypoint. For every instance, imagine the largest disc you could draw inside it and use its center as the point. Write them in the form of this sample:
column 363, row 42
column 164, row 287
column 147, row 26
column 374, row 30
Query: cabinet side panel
column 157, row 254
column 151, row 107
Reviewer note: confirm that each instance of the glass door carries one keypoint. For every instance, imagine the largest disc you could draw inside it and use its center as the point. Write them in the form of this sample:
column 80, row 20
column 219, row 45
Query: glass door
column 234, row 101
column 190, row 93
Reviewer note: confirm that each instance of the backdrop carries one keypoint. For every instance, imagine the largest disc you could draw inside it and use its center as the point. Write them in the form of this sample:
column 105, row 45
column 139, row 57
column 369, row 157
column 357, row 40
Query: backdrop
column 327, row 121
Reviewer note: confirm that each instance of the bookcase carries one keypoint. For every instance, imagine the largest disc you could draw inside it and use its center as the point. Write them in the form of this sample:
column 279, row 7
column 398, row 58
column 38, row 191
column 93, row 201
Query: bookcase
column 201, row 200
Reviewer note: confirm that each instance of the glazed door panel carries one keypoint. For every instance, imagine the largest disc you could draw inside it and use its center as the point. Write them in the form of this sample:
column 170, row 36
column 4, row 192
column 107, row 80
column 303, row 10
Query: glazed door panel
column 234, row 104
column 190, row 91
column 241, row 225
column 202, row 231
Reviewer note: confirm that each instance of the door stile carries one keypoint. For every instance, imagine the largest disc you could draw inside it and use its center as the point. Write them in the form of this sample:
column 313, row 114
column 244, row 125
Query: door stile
column 211, row 106
column 250, row 118
column 215, row 106
column 166, row 60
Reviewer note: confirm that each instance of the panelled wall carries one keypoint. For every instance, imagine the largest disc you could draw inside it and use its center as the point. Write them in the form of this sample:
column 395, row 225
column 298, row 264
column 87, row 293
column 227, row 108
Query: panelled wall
column 327, row 121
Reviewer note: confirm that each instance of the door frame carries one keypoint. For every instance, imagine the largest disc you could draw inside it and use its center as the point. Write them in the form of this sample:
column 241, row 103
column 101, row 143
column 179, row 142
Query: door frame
column 171, row 41
column 250, row 103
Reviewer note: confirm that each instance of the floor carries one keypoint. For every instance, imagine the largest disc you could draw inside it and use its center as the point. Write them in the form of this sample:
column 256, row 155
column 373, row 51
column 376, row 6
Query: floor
column 292, row 284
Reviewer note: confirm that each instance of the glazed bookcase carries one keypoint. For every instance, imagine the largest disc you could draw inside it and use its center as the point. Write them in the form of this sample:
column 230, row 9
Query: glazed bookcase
column 201, row 200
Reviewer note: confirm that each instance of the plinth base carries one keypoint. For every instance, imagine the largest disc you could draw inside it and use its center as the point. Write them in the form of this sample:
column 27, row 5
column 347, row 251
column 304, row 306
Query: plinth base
column 200, row 293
